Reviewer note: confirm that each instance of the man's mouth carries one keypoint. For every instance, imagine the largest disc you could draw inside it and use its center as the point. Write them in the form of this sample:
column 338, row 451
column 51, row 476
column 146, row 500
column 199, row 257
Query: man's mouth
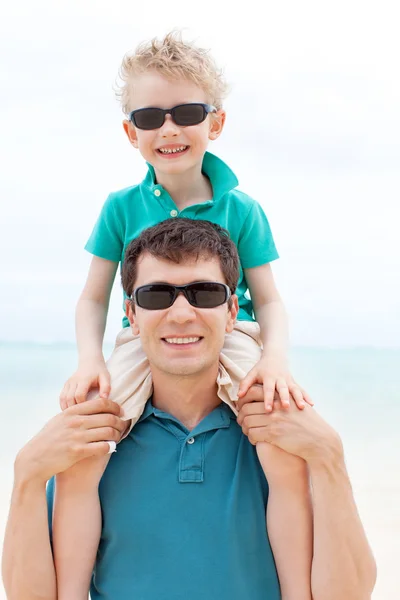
column 182, row 340
column 172, row 150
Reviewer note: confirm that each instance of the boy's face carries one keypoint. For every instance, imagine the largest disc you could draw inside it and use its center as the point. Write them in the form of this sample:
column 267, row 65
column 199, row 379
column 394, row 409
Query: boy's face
column 152, row 90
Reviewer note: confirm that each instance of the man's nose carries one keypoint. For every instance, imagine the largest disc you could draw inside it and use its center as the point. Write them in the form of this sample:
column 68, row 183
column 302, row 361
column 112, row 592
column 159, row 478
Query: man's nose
column 181, row 311
column 169, row 128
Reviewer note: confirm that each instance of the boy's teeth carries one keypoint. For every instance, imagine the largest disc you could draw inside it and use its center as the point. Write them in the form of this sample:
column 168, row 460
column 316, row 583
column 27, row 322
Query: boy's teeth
column 172, row 150
column 182, row 340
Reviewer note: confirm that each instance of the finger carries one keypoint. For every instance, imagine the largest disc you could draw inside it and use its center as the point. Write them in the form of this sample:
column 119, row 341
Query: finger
column 252, row 421
column 96, row 449
column 71, row 395
column 97, row 406
column 307, row 397
column 102, row 433
column 297, row 396
column 103, row 420
column 269, row 391
column 63, row 397
column 255, row 394
column 259, row 434
column 104, row 383
column 246, row 383
column 283, row 392
column 251, row 408
column 81, row 392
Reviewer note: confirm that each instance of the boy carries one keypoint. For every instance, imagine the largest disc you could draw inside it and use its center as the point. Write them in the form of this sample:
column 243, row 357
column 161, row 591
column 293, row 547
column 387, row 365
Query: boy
column 172, row 95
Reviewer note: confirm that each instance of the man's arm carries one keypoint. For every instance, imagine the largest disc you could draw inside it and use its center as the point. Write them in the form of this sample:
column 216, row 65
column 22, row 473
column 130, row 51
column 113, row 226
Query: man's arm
column 27, row 566
column 343, row 566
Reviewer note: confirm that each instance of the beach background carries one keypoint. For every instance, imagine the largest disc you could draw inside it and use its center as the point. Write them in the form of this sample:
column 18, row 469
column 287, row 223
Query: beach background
column 313, row 134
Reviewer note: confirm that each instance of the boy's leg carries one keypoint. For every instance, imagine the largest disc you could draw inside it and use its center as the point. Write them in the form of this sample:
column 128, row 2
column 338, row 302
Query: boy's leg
column 77, row 527
column 289, row 515
column 242, row 350
column 77, row 515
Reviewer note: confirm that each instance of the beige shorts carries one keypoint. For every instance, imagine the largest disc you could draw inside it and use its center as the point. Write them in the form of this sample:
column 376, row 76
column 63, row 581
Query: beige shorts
column 131, row 383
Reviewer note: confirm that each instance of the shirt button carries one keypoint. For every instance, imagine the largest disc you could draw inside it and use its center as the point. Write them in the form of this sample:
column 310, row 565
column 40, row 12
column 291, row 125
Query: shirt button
column 174, row 213
column 157, row 192
column 190, row 441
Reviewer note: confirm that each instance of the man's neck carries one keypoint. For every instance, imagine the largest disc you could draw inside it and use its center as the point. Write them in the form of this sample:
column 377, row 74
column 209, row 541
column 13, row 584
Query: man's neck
column 188, row 399
column 188, row 188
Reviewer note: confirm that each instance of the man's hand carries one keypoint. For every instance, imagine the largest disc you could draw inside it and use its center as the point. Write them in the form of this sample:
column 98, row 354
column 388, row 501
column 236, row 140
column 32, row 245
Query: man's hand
column 302, row 433
column 69, row 437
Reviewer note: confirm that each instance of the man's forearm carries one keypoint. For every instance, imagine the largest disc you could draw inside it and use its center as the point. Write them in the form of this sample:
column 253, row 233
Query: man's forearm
column 27, row 566
column 343, row 565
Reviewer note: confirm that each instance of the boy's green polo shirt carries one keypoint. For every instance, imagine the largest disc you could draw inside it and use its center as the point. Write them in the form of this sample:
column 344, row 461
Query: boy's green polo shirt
column 128, row 212
column 183, row 514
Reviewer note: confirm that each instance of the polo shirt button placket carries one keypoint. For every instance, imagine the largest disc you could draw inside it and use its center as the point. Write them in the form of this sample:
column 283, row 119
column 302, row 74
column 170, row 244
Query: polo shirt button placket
column 190, row 440
column 174, row 213
column 157, row 193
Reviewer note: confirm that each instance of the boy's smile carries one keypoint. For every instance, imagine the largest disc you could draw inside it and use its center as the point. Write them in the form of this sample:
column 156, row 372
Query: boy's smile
column 171, row 149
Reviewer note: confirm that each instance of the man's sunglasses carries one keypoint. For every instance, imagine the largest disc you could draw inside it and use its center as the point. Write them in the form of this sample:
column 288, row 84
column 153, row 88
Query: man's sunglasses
column 201, row 294
column 183, row 115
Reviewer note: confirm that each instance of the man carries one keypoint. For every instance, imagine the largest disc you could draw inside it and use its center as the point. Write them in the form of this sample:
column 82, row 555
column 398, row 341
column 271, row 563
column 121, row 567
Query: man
column 183, row 499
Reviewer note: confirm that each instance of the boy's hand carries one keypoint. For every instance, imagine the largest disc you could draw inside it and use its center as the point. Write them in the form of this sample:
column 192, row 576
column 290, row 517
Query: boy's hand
column 89, row 375
column 274, row 376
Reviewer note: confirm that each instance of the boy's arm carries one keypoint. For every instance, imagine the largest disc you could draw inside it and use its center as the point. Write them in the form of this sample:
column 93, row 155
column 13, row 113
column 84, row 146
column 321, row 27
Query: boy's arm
column 91, row 318
column 269, row 311
column 272, row 370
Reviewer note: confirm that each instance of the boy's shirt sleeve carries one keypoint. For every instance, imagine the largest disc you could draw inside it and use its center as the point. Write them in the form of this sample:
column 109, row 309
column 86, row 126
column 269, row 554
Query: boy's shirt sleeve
column 106, row 240
column 256, row 244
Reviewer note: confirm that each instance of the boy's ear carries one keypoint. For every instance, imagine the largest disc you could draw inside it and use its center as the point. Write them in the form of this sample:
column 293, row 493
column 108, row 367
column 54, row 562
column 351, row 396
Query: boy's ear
column 130, row 132
column 217, row 123
column 130, row 313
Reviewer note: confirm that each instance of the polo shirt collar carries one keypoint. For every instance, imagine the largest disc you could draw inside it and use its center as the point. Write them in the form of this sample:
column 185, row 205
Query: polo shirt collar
column 222, row 178
column 219, row 417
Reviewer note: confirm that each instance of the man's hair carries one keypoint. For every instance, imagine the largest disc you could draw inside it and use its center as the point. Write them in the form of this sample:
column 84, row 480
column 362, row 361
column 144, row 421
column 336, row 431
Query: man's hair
column 174, row 59
column 178, row 240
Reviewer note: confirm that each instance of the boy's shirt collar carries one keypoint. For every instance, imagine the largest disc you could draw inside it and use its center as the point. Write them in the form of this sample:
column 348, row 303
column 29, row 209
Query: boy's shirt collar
column 221, row 177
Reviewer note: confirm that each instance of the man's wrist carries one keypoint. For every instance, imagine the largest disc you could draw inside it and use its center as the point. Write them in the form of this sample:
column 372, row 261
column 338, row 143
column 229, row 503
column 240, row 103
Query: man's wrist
column 26, row 476
column 328, row 458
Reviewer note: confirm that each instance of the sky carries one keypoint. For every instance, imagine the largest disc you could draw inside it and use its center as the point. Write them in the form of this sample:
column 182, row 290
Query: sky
column 312, row 133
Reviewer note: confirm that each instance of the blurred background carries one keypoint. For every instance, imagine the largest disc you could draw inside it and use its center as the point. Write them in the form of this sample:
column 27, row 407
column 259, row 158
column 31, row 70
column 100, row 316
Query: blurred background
column 312, row 133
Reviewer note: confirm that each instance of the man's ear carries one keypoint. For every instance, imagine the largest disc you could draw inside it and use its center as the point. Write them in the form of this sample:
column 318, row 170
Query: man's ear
column 130, row 313
column 232, row 313
column 130, row 131
column 217, row 122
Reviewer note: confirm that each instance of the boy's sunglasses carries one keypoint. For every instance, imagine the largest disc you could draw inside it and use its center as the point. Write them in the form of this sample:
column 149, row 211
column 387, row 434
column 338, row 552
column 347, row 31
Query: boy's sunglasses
column 201, row 294
column 183, row 115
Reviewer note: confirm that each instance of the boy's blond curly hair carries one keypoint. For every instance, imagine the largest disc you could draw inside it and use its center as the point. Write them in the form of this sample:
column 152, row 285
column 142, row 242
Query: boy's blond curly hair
column 174, row 59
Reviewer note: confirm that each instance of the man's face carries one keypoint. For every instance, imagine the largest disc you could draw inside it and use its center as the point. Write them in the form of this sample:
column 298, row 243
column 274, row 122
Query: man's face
column 152, row 90
column 182, row 320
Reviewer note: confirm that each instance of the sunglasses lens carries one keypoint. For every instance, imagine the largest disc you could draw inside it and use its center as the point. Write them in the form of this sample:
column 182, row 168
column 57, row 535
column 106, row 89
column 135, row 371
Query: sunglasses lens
column 207, row 294
column 149, row 118
column 189, row 114
column 155, row 297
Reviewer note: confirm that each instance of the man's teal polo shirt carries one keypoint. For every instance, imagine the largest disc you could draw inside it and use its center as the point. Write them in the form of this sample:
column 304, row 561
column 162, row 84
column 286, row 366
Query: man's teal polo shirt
column 128, row 212
column 184, row 514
